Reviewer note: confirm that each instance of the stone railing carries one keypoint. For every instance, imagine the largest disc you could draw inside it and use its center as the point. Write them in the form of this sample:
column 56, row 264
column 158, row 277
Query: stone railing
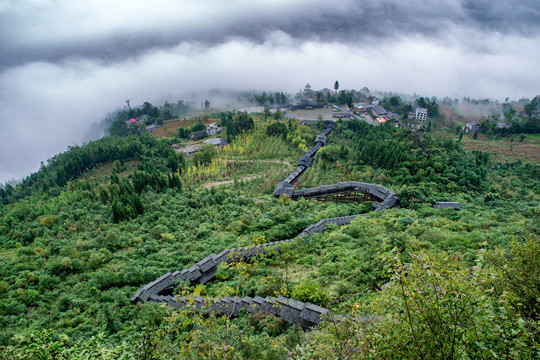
column 205, row 270
column 295, row 312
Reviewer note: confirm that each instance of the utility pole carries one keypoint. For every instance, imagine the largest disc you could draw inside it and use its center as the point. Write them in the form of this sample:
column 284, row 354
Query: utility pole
column 129, row 107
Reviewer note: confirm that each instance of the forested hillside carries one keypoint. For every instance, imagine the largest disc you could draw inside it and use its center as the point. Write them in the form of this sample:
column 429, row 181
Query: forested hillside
column 75, row 246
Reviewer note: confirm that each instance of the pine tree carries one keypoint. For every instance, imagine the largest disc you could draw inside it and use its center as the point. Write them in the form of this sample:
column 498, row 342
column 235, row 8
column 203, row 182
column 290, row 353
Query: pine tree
column 114, row 178
column 117, row 212
column 103, row 195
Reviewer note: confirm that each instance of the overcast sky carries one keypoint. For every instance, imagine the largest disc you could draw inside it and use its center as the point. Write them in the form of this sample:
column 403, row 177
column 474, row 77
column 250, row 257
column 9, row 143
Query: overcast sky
column 65, row 64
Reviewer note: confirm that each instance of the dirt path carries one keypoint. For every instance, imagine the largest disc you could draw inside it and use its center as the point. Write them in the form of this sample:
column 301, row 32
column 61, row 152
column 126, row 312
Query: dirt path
column 266, row 161
column 245, row 178
column 225, row 182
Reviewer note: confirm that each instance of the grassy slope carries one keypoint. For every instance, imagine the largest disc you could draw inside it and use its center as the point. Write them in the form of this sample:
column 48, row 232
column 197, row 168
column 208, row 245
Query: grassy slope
column 507, row 149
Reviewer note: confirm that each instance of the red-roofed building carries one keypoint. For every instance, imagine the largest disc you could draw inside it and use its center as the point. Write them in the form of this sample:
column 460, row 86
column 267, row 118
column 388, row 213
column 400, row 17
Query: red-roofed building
column 131, row 121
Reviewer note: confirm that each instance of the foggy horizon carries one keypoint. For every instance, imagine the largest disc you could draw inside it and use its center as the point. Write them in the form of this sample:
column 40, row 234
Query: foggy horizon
column 66, row 64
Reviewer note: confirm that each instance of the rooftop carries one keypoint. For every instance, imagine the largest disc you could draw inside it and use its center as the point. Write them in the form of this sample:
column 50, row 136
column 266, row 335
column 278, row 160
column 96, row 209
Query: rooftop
column 379, row 110
column 216, row 142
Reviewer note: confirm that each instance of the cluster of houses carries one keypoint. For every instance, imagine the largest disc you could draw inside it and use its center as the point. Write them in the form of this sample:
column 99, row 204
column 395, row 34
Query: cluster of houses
column 475, row 126
column 211, row 129
column 141, row 119
column 195, row 148
column 382, row 115
column 372, row 106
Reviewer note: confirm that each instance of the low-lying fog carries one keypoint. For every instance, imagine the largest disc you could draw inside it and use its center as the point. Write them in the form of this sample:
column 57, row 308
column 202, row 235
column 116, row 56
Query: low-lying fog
column 66, row 64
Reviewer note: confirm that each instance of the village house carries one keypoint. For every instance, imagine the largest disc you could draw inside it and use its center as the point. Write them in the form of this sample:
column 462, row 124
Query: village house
column 379, row 111
column 373, row 100
column 131, row 122
column 421, row 115
column 472, row 127
column 142, row 118
column 217, row 142
column 197, row 135
column 341, row 115
column 212, row 129
column 153, row 127
column 189, row 150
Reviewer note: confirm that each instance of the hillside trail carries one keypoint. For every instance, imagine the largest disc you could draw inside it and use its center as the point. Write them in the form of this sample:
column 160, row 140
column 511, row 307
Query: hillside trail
column 245, row 178
column 225, row 182
column 266, row 161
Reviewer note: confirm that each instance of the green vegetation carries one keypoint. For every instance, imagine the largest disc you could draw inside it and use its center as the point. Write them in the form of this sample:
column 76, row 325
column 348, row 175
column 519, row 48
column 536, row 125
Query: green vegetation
column 435, row 283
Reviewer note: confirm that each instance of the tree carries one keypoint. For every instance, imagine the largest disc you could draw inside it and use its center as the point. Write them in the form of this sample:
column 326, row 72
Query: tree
column 336, row 87
column 266, row 111
column 533, row 106
column 150, row 110
column 350, row 103
column 167, row 111
column 198, row 127
column 206, row 104
column 277, row 114
column 175, row 182
column 394, row 101
column 276, row 129
column 235, row 126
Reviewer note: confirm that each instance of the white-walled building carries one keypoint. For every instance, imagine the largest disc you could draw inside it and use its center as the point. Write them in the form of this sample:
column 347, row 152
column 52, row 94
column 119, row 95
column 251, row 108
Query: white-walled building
column 421, row 115
column 212, row 129
column 472, row 127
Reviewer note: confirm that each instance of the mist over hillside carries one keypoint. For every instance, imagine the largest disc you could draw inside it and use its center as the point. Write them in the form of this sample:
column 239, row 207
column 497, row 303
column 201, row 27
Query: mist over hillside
column 66, row 65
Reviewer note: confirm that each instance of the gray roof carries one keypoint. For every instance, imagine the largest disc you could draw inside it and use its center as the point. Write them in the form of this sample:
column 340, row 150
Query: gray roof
column 379, row 110
column 217, row 142
column 447, row 204
column 197, row 135
column 153, row 127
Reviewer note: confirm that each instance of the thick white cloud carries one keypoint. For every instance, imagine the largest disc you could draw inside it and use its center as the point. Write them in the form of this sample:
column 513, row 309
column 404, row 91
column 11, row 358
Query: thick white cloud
column 66, row 70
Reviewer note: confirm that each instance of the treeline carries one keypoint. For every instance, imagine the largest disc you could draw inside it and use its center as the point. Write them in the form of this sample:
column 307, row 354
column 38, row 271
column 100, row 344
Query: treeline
column 509, row 119
column 155, row 156
column 146, row 114
column 343, row 97
column 278, row 98
column 183, row 133
column 396, row 105
column 236, row 124
column 526, row 121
